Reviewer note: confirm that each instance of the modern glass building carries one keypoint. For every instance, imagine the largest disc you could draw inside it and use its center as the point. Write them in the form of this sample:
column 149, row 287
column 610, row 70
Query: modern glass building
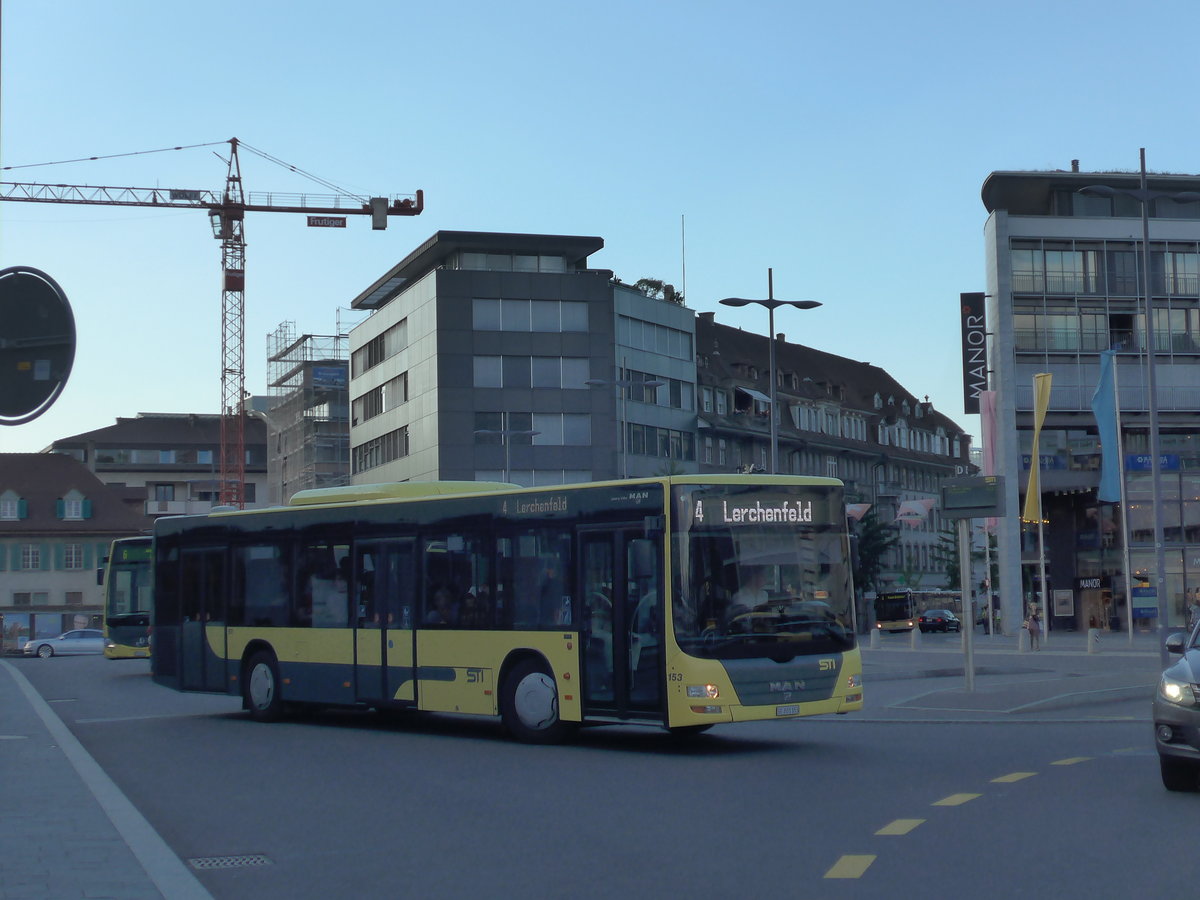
column 1064, row 283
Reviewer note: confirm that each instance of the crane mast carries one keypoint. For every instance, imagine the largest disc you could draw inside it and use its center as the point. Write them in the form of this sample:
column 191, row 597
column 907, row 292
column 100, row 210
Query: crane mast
column 227, row 211
column 228, row 222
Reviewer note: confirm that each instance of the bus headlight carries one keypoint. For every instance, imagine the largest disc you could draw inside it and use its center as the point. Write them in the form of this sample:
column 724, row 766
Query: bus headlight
column 703, row 691
column 854, row 681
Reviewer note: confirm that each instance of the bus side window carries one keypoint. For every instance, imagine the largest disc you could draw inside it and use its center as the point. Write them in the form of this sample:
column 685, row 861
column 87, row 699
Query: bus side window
column 260, row 586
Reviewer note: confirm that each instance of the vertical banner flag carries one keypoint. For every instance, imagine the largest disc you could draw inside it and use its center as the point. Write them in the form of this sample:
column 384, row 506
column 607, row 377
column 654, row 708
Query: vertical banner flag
column 987, row 422
column 974, row 349
column 1104, row 407
column 1033, row 490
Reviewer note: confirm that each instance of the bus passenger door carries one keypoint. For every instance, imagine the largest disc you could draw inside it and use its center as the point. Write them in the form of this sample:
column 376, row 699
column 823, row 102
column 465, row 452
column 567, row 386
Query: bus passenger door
column 622, row 616
column 385, row 579
column 202, row 622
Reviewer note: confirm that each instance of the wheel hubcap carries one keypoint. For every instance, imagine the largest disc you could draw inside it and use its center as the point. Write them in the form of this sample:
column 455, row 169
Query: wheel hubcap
column 262, row 686
column 536, row 701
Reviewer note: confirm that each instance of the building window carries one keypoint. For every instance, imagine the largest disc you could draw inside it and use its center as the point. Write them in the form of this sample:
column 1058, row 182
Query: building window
column 74, row 598
column 655, row 338
column 539, row 316
column 380, row 450
column 10, row 510
column 73, row 556
column 555, row 372
column 31, row 557
column 379, row 348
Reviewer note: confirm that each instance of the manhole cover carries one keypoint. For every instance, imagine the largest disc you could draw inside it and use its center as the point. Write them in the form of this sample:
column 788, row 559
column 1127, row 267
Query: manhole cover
column 229, row 862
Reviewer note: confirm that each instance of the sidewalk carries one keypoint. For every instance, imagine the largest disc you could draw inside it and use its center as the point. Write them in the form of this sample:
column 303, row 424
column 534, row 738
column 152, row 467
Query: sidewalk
column 65, row 828
column 1061, row 680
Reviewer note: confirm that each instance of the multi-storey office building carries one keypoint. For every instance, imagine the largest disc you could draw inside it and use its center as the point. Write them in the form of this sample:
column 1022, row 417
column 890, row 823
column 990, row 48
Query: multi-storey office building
column 1064, row 283
column 838, row 418
column 504, row 357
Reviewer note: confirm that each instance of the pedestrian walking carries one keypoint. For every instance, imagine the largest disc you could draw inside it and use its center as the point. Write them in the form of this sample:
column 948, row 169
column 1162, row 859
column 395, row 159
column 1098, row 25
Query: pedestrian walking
column 1034, row 626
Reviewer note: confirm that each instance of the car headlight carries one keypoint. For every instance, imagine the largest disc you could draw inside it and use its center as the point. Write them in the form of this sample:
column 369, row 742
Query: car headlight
column 1178, row 692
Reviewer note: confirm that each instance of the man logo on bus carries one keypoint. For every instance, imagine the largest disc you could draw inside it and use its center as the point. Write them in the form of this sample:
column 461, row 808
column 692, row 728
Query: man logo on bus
column 778, row 687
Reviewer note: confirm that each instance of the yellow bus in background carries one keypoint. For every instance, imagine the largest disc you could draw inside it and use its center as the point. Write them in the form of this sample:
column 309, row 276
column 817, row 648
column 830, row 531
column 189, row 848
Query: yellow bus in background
column 128, row 588
column 680, row 602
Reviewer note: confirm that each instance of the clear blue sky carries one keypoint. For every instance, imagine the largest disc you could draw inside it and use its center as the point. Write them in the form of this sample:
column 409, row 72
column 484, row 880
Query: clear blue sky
column 844, row 145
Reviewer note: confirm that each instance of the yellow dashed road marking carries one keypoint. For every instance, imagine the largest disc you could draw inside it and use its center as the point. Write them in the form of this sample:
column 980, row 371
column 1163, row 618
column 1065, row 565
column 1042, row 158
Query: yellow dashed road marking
column 1013, row 776
column 957, row 799
column 900, row 826
column 850, row 866
column 1070, row 761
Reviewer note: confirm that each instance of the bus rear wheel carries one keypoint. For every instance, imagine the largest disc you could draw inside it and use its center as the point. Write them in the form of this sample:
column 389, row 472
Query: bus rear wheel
column 529, row 705
column 260, row 688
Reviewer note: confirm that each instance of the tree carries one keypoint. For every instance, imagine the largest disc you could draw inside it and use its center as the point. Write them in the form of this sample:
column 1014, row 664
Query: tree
column 659, row 289
column 875, row 539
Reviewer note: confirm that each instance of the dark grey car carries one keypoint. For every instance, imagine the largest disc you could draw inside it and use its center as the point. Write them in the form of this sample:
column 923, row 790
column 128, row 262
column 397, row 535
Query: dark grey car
column 1177, row 715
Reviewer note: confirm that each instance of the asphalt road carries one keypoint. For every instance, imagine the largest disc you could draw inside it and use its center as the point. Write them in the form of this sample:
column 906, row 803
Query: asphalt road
column 351, row 804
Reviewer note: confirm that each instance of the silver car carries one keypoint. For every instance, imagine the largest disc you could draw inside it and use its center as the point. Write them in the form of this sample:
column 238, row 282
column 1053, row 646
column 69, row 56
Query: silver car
column 71, row 643
column 1177, row 715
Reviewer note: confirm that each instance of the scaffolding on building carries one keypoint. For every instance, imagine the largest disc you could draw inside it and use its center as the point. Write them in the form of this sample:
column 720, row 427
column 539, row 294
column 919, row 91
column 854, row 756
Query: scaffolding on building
column 308, row 423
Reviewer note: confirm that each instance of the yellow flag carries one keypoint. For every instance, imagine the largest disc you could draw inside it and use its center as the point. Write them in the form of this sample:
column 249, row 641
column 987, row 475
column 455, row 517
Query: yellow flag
column 1033, row 490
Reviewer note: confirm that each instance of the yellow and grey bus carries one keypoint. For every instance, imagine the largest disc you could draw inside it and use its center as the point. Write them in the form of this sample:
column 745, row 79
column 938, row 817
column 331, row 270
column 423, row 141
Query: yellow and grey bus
column 680, row 602
column 128, row 585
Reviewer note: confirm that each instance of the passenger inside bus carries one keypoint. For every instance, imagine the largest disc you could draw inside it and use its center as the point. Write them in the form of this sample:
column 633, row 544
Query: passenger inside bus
column 444, row 610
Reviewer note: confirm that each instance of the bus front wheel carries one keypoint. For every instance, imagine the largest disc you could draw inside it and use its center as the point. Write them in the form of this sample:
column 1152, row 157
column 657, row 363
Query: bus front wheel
column 261, row 688
column 529, row 705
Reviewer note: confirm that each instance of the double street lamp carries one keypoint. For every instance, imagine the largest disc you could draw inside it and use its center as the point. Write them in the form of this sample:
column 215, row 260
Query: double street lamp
column 506, row 435
column 1145, row 197
column 625, row 385
column 772, row 304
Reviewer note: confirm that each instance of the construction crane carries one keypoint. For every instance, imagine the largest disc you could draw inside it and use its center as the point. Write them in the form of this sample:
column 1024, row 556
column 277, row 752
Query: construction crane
column 227, row 211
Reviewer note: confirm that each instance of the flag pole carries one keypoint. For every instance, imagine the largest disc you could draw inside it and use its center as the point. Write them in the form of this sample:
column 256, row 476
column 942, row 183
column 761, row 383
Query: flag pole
column 1124, row 507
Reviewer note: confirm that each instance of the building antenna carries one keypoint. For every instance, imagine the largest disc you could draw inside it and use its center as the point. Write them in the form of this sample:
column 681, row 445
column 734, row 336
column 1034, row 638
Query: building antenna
column 683, row 254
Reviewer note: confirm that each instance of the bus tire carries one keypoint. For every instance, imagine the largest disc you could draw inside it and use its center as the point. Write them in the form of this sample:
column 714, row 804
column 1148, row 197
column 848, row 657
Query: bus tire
column 529, row 705
column 261, row 688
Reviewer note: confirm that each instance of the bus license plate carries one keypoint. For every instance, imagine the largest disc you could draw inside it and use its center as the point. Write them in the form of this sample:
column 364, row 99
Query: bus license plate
column 793, row 710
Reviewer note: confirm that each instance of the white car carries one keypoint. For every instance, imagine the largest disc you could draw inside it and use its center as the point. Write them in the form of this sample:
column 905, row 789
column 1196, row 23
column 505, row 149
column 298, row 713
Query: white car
column 72, row 643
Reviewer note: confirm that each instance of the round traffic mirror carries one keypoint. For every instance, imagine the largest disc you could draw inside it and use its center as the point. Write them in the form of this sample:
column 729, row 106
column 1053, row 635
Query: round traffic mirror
column 37, row 343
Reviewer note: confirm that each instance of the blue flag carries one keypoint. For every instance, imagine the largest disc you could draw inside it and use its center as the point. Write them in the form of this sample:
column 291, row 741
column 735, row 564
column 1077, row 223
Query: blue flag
column 1104, row 407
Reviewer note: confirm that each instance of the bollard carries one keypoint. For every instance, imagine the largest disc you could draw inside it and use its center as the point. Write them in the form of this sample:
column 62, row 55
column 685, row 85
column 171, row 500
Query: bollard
column 914, row 641
column 1093, row 643
column 1022, row 640
column 875, row 639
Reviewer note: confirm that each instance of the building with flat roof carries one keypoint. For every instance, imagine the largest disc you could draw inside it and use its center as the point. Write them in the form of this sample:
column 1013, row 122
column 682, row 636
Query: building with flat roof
column 492, row 356
column 1064, row 284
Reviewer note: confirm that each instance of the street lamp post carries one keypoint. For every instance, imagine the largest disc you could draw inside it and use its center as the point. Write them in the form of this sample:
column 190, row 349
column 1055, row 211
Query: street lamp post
column 505, row 438
column 772, row 304
column 1144, row 196
column 623, row 385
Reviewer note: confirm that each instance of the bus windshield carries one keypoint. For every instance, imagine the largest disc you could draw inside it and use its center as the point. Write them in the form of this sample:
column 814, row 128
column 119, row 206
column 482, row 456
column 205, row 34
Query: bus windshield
column 129, row 584
column 761, row 571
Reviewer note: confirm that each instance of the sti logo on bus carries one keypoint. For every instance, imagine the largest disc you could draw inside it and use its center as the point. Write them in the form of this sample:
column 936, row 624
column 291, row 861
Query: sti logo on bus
column 759, row 513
